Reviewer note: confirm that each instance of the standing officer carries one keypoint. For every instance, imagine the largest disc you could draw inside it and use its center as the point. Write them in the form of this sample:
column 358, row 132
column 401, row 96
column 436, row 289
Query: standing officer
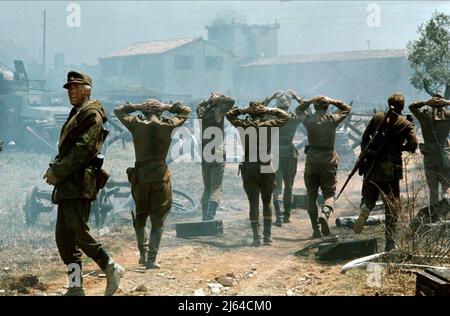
column 321, row 158
column 150, row 178
column 257, row 173
column 288, row 159
column 212, row 113
column 386, row 170
column 74, row 175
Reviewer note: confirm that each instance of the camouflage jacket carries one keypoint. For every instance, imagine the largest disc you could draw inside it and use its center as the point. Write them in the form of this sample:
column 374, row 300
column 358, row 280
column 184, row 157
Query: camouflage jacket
column 208, row 113
column 151, row 138
column 401, row 136
column 321, row 130
column 81, row 139
column 256, row 133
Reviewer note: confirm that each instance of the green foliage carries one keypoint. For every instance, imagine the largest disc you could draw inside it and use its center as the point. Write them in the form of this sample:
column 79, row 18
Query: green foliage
column 429, row 55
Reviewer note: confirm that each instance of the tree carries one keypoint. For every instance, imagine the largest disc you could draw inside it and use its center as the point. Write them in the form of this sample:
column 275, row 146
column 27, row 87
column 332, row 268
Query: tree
column 429, row 56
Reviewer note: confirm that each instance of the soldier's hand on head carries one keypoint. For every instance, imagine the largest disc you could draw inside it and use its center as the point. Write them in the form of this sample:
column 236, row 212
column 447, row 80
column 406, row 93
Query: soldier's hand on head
column 293, row 94
column 435, row 101
column 325, row 99
column 215, row 97
column 278, row 94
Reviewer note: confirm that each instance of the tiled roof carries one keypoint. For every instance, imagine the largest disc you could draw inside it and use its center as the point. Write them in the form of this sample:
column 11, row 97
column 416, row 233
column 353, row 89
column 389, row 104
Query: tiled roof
column 153, row 47
column 326, row 57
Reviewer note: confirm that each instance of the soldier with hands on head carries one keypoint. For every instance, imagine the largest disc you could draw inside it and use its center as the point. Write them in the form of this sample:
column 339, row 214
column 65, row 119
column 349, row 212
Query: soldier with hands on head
column 258, row 174
column 288, row 154
column 150, row 179
column 212, row 112
column 435, row 126
column 321, row 158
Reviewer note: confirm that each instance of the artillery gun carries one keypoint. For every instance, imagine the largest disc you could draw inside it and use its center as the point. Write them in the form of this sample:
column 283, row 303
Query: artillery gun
column 115, row 198
column 30, row 117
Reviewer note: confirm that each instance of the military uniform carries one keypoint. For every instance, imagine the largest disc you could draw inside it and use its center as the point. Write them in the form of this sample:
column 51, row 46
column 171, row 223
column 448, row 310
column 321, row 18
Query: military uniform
column 321, row 158
column 435, row 134
column 255, row 182
column 150, row 178
column 387, row 171
column 287, row 168
column 212, row 171
column 81, row 139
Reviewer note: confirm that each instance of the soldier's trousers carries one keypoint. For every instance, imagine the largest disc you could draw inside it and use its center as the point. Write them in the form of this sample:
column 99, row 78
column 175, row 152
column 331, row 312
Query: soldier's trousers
column 212, row 180
column 258, row 184
column 320, row 176
column 152, row 200
column 285, row 174
column 435, row 175
column 391, row 198
column 72, row 233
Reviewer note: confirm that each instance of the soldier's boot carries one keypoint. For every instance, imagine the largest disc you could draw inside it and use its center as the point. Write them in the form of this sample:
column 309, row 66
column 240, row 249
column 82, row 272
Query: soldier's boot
column 314, row 218
column 323, row 219
column 212, row 209
column 267, row 232
column 75, row 282
column 256, row 235
column 114, row 272
column 153, row 248
column 204, row 211
column 363, row 216
column 390, row 222
column 141, row 236
column 287, row 213
column 276, row 205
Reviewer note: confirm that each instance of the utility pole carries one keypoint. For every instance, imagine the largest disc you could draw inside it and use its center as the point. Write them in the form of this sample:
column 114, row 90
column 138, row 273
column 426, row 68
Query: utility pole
column 368, row 44
column 44, row 31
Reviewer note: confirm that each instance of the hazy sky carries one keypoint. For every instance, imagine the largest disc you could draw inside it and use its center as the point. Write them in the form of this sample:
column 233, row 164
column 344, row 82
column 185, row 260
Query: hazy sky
column 307, row 27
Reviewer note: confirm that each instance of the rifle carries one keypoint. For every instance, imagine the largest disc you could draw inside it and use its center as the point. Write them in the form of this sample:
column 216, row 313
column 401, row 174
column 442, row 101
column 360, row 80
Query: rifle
column 367, row 159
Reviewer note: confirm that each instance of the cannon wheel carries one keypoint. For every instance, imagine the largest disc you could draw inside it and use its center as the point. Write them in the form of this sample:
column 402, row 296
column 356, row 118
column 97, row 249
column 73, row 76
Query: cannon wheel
column 182, row 203
column 30, row 206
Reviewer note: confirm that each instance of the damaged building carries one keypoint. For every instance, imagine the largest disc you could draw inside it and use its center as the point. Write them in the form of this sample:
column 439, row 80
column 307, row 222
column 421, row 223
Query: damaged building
column 243, row 60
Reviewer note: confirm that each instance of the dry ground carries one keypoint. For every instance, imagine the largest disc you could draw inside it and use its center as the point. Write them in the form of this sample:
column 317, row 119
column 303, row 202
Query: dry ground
column 188, row 265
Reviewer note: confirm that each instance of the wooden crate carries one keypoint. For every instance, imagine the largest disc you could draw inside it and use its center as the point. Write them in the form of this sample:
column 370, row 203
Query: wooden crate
column 433, row 282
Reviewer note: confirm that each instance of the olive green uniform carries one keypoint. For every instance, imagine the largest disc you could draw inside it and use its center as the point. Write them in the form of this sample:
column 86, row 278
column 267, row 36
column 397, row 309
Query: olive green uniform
column 387, row 171
column 288, row 165
column 212, row 171
column 435, row 134
column 321, row 158
column 150, row 178
column 255, row 182
column 81, row 139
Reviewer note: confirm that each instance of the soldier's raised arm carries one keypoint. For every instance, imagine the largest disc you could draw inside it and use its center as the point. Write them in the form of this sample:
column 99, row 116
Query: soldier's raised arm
column 123, row 114
column 181, row 113
column 224, row 104
column 272, row 97
column 301, row 110
column 233, row 117
column 344, row 110
column 416, row 108
column 282, row 118
column 201, row 108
